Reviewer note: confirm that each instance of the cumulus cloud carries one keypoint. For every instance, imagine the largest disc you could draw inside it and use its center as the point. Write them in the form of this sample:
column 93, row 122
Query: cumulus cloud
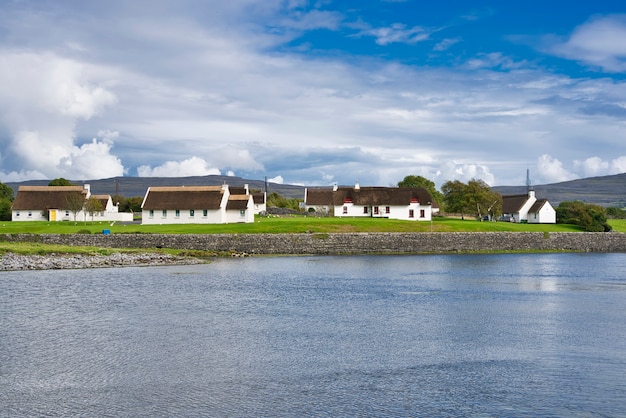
column 598, row 42
column 234, row 158
column 464, row 172
column 44, row 97
column 277, row 180
column 193, row 166
column 596, row 166
column 551, row 170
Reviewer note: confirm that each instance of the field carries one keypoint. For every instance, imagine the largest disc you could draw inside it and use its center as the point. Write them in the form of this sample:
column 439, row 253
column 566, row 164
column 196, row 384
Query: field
column 295, row 224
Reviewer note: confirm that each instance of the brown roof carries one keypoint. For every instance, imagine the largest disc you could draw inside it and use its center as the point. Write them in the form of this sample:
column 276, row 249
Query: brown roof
column 536, row 207
column 184, row 197
column 513, row 203
column 258, row 198
column 369, row 196
column 237, row 202
column 45, row 197
column 237, row 190
column 319, row 197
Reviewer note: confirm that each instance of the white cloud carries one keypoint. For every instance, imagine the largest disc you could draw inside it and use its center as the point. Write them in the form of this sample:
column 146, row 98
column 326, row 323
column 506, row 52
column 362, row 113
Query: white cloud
column 464, row 172
column 618, row 165
column 598, row 42
column 277, row 180
column 551, row 170
column 446, row 44
column 43, row 98
column 396, row 33
column 193, row 166
column 233, row 157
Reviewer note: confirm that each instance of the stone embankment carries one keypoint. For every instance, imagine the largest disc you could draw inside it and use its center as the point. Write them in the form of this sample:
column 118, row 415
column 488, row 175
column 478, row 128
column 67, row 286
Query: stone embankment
column 346, row 243
column 12, row 261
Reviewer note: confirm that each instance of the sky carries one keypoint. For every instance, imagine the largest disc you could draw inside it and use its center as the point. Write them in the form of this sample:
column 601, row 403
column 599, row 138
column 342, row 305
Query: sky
column 313, row 93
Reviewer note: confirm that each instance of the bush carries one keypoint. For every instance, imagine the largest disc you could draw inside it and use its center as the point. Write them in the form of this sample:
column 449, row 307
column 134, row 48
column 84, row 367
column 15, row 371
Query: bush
column 588, row 217
column 83, row 231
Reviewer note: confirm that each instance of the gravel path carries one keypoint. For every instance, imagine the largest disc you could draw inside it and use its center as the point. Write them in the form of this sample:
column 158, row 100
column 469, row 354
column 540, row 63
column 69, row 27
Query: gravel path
column 11, row 261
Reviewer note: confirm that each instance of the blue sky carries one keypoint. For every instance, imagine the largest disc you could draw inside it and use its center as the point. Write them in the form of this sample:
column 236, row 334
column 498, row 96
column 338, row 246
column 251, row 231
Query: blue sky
column 313, row 92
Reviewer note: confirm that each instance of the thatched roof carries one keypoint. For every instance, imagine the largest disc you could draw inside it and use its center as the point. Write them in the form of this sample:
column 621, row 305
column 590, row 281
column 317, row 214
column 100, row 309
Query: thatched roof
column 46, row 197
column 368, row 196
column 190, row 197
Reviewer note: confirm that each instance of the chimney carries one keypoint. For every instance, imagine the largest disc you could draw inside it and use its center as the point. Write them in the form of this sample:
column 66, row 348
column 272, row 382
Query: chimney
column 335, row 187
column 357, row 186
column 88, row 188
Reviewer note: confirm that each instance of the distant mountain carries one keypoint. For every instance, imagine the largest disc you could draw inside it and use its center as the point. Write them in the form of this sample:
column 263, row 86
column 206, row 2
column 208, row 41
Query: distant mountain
column 606, row 191
column 137, row 186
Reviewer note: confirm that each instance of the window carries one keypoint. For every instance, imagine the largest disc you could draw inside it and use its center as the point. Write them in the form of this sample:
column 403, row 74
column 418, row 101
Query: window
column 365, row 209
column 411, row 213
column 67, row 213
column 347, row 200
column 151, row 213
column 387, row 209
column 345, row 210
column 164, row 213
column 177, row 213
column 422, row 213
column 242, row 213
column 375, row 210
column 191, row 213
column 414, row 200
column 205, row 212
column 17, row 214
column 30, row 214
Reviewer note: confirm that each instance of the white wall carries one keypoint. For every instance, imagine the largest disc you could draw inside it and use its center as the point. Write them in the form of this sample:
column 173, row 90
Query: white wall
column 214, row 216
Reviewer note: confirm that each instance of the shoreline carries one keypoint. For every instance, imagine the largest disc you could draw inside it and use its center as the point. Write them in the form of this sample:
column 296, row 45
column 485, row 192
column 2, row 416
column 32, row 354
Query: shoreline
column 54, row 261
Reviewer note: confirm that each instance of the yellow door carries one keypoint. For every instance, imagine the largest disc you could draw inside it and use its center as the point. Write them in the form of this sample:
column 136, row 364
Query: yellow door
column 53, row 215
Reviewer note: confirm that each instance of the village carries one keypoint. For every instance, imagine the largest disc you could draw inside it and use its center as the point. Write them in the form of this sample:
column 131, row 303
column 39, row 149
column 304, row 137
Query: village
column 225, row 204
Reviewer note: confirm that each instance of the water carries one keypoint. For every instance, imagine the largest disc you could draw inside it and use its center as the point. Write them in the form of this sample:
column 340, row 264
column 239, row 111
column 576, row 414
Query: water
column 463, row 335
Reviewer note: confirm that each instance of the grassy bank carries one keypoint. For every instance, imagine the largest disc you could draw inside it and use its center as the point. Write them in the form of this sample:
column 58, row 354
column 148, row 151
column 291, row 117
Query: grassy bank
column 296, row 224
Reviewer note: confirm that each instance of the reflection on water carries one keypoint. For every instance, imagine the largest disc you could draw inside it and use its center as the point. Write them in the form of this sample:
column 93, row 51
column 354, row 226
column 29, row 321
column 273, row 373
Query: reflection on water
column 494, row 335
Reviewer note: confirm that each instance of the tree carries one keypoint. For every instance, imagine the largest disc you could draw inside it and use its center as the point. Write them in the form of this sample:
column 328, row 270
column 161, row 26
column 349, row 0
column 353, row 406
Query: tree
column 6, row 200
column 474, row 197
column 455, row 197
column 131, row 204
column 588, row 217
column 419, row 181
column 279, row 201
column 483, row 199
column 60, row 182
column 75, row 203
column 92, row 206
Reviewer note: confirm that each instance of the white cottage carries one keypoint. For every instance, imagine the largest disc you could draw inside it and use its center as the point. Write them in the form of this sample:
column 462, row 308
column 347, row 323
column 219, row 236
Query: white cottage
column 58, row 203
column 195, row 205
column 414, row 204
column 527, row 208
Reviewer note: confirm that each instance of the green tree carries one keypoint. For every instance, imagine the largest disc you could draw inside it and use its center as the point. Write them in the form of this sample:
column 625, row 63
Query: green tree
column 131, row 204
column 6, row 200
column 75, row 203
column 588, row 217
column 455, row 197
column 6, row 192
column 419, row 181
column 92, row 206
column 482, row 199
column 279, row 201
column 60, row 182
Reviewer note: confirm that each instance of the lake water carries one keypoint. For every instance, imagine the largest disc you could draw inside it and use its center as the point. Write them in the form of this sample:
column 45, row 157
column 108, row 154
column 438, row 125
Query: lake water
column 441, row 335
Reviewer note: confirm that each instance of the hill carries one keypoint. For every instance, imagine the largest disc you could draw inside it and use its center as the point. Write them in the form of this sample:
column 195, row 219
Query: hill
column 605, row 190
column 137, row 186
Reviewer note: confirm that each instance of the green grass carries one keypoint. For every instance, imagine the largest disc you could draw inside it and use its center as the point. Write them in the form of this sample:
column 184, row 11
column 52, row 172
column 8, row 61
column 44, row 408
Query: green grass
column 618, row 225
column 294, row 224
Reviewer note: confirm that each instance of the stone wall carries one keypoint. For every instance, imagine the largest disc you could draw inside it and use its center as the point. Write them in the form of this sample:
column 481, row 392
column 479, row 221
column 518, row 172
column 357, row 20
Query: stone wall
column 347, row 243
